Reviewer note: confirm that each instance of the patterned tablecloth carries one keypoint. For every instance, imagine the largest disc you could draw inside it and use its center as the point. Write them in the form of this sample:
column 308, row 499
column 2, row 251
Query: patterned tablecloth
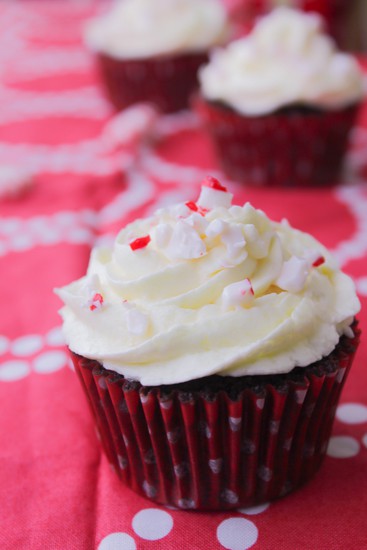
column 91, row 173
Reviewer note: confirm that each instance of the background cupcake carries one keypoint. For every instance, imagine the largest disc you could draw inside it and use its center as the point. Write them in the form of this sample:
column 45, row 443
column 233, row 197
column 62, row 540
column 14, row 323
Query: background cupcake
column 151, row 51
column 212, row 345
column 280, row 102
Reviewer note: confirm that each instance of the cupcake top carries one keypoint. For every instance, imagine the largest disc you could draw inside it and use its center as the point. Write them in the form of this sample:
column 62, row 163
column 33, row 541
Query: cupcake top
column 286, row 60
column 145, row 28
column 205, row 288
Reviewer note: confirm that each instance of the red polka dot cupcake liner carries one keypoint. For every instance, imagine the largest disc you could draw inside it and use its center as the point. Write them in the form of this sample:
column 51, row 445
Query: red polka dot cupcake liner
column 295, row 147
column 219, row 447
column 167, row 82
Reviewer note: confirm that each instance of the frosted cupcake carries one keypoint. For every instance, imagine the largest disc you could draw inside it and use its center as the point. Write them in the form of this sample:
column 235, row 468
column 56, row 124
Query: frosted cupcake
column 279, row 103
column 151, row 51
column 212, row 344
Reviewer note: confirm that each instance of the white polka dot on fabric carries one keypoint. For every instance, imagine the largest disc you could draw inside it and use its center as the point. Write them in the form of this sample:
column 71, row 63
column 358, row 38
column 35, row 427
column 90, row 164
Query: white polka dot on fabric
column 4, row 344
column 80, row 235
column 26, row 345
column 343, row 446
column 254, row 510
column 117, row 541
column 50, row 361
column 352, row 413
column 11, row 371
column 152, row 524
column 237, row 533
column 22, row 242
column 364, row 440
column 55, row 337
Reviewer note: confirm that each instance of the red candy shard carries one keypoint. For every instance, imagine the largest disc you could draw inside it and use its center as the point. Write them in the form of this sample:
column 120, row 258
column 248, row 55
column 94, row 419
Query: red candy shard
column 192, row 205
column 209, row 181
column 97, row 301
column 319, row 261
column 140, row 242
column 195, row 208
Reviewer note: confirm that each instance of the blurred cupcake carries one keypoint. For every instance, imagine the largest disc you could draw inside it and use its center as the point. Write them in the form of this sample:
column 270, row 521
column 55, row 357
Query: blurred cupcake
column 334, row 13
column 212, row 345
column 150, row 51
column 279, row 103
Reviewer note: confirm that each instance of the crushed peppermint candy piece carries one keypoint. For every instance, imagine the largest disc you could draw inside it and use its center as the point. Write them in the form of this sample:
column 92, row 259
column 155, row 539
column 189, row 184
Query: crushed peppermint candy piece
column 162, row 234
column 185, row 242
column 140, row 242
column 319, row 261
column 209, row 181
column 239, row 294
column 96, row 301
column 234, row 240
column 210, row 197
column 293, row 274
column 195, row 208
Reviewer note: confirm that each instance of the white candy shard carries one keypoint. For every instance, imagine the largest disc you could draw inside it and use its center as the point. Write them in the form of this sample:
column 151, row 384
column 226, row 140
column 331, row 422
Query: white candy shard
column 234, row 240
column 185, row 242
column 162, row 234
column 215, row 228
column 198, row 222
column 238, row 294
column 258, row 245
column 213, row 198
column 293, row 274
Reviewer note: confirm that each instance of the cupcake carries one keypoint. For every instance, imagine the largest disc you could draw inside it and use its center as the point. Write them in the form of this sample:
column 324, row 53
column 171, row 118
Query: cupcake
column 280, row 102
column 151, row 51
column 212, row 345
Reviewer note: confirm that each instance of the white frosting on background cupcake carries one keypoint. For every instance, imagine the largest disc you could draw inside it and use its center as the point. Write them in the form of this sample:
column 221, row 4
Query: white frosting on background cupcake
column 285, row 60
column 208, row 288
column 145, row 28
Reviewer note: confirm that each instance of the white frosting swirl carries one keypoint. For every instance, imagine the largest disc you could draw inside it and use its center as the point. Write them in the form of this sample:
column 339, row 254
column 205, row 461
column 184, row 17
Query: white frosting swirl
column 208, row 288
column 285, row 60
column 145, row 28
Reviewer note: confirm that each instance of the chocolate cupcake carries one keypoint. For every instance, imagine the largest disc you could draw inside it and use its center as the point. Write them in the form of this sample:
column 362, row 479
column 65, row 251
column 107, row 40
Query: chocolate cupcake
column 151, row 51
column 212, row 345
column 279, row 103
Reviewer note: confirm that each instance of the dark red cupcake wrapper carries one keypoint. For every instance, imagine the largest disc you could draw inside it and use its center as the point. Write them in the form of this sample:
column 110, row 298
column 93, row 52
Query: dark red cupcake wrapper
column 197, row 451
column 164, row 81
column 291, row 148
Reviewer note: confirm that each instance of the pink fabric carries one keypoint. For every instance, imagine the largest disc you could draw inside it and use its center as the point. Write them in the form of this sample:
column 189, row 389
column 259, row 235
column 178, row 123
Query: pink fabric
column 57, row 490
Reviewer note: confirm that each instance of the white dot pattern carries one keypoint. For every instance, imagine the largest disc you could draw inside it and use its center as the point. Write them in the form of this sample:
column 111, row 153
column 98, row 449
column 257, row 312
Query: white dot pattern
column 50, row 361
column 152, row 524
column 117, row 541
column 237, row 534
column 10, row 371
column 343, row 447
column 352, row 413
column 254, row 510
column 26, row 345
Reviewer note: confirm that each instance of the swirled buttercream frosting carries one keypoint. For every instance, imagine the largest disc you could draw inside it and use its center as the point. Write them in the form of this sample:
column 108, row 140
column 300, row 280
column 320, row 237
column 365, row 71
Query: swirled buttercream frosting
column 204, row 288
column 286, row 60
column 144, row 28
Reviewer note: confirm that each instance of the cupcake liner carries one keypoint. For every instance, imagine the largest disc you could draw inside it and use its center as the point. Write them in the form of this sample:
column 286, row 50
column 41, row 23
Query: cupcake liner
column 212, row 450
column 166, row 82
column 290, row 148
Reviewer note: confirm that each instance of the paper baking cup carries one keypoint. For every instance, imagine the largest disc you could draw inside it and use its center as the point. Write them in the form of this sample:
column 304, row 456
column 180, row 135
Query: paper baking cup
column 213, row 450
column 296, row 147
column 166, row 82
